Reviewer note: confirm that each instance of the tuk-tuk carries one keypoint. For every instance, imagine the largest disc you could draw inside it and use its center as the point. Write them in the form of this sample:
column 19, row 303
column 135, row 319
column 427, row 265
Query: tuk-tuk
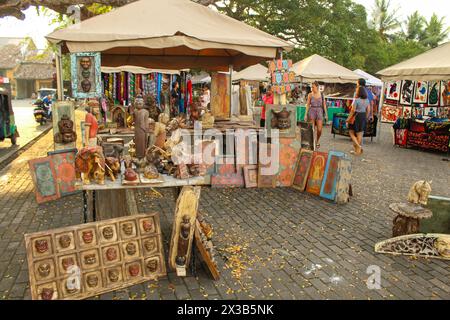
column 8, row 127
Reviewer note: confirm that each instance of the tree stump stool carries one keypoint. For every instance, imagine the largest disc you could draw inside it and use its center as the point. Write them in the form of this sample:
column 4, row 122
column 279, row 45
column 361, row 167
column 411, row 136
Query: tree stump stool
column 408, row 218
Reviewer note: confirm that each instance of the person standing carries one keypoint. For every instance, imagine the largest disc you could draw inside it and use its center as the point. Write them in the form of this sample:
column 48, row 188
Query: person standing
column 267, row 99
column 206, row 98
column 357, row 119
column 316, row 111
column 175, row 97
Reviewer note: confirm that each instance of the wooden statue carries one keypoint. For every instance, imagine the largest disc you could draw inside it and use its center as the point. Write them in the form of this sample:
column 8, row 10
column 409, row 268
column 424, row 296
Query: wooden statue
column 112, row 167
column 91, row 163
column 419, row 192
column 66, row 132
column 183, row 241
column 141, row 128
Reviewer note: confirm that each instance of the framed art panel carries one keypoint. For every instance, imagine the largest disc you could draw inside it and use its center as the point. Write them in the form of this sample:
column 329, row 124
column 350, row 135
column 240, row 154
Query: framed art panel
column 421, row 92
column 44, row 178
column 86, row 75
column 328, row 188
column 390, row 113
column 393, row 90
column 316, row 172
column 445, row 93
column 64, row 163
column 302, row 169
column 433, row 93
column 407, row 93
column 251, row 176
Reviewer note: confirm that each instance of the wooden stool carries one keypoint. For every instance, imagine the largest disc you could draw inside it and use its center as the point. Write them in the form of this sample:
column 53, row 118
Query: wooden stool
column 408, row 219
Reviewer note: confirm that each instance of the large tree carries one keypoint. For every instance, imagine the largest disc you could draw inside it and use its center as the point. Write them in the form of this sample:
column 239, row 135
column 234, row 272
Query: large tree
column 384, row 19
column 435, row 32
column 15, row 8
column 415, row 25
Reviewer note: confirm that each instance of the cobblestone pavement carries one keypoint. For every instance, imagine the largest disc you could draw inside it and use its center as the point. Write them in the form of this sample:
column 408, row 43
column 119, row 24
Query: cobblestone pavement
column 272, row 243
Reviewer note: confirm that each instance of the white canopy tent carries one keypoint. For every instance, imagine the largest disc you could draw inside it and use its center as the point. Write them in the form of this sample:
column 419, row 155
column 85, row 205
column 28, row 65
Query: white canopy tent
column 257, row 72
column 431, row 65
column 370, row 79
column 317, row 68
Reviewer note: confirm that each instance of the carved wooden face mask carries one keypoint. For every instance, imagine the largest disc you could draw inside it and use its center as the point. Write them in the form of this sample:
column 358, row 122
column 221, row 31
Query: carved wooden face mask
column 92, row 281
column 44, row 269
column 41, row 245
column 282, row 119
column 108, row 233
column 65, row 241
column 86, row 85
column 47, row 293
column 131, row 249
column 85, row 63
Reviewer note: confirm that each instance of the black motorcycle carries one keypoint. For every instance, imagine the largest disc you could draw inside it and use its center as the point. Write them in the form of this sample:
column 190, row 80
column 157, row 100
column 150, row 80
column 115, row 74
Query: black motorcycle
column 41, row 112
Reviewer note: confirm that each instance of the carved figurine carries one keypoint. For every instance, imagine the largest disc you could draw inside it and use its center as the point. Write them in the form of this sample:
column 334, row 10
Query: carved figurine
column 183, row 241
column 132, row 149
column 91, row 163
column 160, row 134
column 150, row 104
column 66, row 133
column 195, row 111
column 65, row 241
column 112, row 167
column 44, row 270
column 150, row 172
column 164, row 118
column 419, row 192
column 141, row 128
column 130, row 175
column 41, row 245
column 281, row 120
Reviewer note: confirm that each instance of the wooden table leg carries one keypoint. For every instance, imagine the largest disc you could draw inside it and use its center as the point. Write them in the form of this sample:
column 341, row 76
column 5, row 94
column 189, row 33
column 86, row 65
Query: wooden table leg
column 85, row 206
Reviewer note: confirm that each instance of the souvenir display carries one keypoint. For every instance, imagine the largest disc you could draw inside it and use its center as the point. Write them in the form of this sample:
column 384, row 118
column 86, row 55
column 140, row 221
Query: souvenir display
column 141, row 128
column 316, row 172
column 445, row 93
column 283, row 118
column 64, row 164
column 390, row 113
column 86, row 75
column 421, row 92
column 433, row 93
column 288, row 155
column 63, row 115
column 343, row 181
column 417, row 245
column 90, row 165
column 307, row 135
column 329, row 184
column 220, row 96
column 82, row 261
column 302, row 169
column 183, row 229
column 44, row 178
column 407, row 92
column 206, row 248
column 251, row 176
column 393, row 90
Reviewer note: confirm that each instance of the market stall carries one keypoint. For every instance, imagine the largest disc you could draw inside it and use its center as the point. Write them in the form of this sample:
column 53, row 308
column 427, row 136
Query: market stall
column 317, row 68
column 417, row 100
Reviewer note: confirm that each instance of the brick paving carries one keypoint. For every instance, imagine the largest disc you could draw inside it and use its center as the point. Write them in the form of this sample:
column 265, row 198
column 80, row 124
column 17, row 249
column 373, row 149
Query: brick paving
column 288, row 245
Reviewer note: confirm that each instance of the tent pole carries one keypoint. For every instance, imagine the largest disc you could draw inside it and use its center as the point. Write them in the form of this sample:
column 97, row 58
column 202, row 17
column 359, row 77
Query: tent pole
column 59, row 75
column 380, row 105
column 230, row 69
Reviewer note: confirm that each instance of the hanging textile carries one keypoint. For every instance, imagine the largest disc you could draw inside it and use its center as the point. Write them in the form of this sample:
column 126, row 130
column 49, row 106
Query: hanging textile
column 158, row 89
column 132, row 92
column 111, row 86
column 189, row 90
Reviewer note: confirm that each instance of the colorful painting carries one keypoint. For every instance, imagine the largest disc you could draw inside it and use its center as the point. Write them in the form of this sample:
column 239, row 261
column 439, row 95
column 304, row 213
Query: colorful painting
column 44, row 178
column 316, row 172
column 401, row 137
column 433, row 93
column 328, row 189
column 86, row 75
column 430, row 112
column 344, row 181
column 390, row 113
column 421, row 92
column 393, row 90
column 302, row 169
column 288, row 156
column 445, row 93
column 407, row 93
column 418, row 111
column 220, row 96
column 407, row 112
column 64, row 163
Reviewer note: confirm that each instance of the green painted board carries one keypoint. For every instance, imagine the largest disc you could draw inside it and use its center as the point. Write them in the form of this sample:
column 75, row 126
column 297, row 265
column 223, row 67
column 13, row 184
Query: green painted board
column 440, row 222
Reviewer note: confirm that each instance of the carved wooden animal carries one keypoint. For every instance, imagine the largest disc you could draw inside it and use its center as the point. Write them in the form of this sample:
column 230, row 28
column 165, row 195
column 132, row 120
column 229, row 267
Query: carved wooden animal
column 112, row 167
column 419, row 192
column 91, row 163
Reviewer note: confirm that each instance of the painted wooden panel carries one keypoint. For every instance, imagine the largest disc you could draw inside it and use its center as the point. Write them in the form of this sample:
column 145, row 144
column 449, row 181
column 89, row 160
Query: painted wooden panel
column 44, row 178
column 344, row 180
column 421, row 92
column 64, row 163
column 86, row 75
column 302, row 169
column 316, row 172
column 220, row 96
column 288, row 155
column 328, row 189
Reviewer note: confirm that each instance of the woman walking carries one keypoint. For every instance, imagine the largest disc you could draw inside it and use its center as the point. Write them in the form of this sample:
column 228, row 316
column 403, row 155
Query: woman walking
column 316, row 111
column 357, row 119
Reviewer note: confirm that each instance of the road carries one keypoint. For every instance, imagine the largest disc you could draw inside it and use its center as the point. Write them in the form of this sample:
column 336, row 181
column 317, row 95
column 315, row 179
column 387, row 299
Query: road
column 27, row 126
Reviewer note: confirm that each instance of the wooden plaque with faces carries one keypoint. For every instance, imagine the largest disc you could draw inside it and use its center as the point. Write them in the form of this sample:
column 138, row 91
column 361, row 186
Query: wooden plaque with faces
column 86, row 260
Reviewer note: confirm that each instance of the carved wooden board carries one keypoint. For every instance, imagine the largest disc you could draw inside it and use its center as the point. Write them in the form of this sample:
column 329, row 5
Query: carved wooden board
column 212, row 267
column 343, row 181
column 329, row 183
column 302, row 169
column 64, row 163
column 43, row 173
column 187, row 205
column 316, row 172
column 86, row 260
column 220, row 96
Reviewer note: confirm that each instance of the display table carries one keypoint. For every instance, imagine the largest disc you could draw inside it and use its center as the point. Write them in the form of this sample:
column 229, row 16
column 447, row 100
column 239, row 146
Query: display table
column 339, row 126
column 301, row 110
column 118, row 199
column 408, row 218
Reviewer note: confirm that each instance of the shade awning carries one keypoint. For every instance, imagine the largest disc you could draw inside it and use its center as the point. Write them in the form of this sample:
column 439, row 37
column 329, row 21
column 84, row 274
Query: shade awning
column 257, row 72
column 431, row 65
column 318, row 68
column 137, row 70
column 370, row 79
column 170, row 34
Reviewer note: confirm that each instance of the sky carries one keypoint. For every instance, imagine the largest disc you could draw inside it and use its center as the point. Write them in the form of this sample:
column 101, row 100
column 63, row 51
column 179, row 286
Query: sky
column 38, row 26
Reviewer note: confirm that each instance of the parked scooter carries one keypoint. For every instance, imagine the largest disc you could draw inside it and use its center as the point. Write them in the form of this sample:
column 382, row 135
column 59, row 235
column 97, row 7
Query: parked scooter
column 41, row 112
